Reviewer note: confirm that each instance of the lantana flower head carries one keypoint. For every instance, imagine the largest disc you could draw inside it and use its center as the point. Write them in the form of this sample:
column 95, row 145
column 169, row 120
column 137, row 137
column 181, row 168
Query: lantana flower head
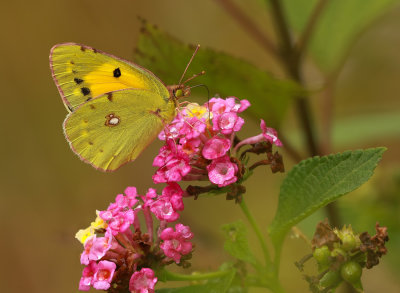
column 202, row 133
column 201, row 144
column 118, row 255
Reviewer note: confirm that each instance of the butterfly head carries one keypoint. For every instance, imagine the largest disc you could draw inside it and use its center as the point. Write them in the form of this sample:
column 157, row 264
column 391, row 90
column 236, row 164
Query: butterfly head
column 178, row 91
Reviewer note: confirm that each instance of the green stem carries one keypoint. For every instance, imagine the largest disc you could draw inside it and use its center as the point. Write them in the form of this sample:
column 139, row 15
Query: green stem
column 257, row 230
column 170, row 276
column 306, row 36
column 292, row 62
column 247, row 23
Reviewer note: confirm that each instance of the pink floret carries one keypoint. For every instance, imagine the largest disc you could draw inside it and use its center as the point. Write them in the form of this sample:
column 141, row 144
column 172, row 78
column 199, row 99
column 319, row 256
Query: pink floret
column 222, row 171
column 131, row 196
column 95, row 248
column 176, row 243
column 173, row 163
column 120, row 222
column 227, row 123
column 163, row 209
column 86, row 280
column 174, row 193
column 104, row 274
column 270, row 134
column 143, row 281
column 215, row 147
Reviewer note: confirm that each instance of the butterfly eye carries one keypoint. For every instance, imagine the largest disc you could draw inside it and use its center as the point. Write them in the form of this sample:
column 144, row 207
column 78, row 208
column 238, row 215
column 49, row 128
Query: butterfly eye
column 178, row 93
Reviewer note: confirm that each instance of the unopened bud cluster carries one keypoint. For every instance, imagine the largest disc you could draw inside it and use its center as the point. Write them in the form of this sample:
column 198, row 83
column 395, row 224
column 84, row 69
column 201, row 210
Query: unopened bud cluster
column 341, row 255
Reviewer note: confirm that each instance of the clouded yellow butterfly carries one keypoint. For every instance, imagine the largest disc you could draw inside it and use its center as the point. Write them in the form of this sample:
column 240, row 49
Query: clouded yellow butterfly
column 116, row 108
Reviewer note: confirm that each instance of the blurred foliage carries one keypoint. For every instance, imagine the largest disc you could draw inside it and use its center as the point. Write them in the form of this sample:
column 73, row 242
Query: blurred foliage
column 225, row 75
column 338, row 26
column 358, row 129
column 217, row 285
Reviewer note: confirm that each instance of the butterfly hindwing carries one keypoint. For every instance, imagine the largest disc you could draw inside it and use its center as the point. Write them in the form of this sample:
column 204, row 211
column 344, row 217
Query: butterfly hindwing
column 83, row 73
column 114, row 128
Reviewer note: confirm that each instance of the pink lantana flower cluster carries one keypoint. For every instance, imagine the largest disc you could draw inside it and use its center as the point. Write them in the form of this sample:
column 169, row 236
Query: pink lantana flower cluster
column 201, row 144
column 198, row 143
column 117, row 253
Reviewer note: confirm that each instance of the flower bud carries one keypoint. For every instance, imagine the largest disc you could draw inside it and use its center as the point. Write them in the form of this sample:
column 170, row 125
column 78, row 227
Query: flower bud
column 351, row 272
column 322, row 255
column 331, row 279
column 349, row 241
column 338, row 252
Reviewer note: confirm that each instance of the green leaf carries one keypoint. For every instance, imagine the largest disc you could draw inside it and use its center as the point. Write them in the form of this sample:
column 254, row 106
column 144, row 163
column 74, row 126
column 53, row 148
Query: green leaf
column 338, row 26
column 315, row 182
column 357, row 129
column 226, row 75
column 236, row 242
column 219, row 285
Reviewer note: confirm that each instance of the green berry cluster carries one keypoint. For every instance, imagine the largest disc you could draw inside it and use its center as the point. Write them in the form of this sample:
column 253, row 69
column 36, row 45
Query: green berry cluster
column 340, row 260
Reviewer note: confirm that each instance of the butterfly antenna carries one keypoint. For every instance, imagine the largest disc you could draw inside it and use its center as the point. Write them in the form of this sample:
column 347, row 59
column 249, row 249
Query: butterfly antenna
column 194, row 76
column 190, row 61
column 202, row 85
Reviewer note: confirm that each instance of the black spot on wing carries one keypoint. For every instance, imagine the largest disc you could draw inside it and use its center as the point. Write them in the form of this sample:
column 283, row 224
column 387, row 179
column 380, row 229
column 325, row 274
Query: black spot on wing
column 78, row 80
column 110, row 97
column 117, row 72
column 85, row 91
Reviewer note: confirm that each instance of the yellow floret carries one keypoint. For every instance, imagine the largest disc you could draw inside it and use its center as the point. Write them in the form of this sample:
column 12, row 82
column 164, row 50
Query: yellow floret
column 98, row 223
column 84, row 234
column 195, row 110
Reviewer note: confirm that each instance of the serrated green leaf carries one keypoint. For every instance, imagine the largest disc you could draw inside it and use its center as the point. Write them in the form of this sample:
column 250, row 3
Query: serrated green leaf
column 236, row 242
column 225, row 75
column 338, row 26
column 219, row 285
column 315, row 182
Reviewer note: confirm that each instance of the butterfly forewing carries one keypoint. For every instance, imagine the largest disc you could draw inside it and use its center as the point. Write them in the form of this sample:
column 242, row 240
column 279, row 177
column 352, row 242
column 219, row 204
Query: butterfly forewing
column 113, row 129
column 83, row 73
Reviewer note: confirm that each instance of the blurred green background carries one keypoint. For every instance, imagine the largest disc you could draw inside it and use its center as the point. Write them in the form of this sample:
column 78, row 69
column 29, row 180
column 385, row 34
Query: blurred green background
column 47, row 193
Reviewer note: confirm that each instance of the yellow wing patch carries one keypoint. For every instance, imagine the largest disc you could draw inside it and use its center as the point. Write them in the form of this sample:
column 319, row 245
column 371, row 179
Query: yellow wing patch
column 83, row 73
